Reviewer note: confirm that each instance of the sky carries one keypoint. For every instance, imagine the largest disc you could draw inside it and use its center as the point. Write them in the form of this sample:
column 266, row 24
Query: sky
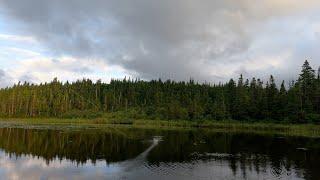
column 206, row 40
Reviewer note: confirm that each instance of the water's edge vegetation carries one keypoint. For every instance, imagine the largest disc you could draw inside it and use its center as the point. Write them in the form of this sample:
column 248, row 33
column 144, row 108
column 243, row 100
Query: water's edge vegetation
column 306, row 130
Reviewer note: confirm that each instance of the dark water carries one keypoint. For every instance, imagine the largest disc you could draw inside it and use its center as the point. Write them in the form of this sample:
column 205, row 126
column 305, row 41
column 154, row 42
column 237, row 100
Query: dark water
column 151, row 154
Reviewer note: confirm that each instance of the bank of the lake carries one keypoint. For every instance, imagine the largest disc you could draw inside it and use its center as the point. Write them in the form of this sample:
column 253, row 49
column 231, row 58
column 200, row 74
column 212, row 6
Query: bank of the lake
column 306, row 130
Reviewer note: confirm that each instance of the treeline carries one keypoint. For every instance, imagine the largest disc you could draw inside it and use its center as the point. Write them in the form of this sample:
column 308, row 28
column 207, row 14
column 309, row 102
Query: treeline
column 244, row 99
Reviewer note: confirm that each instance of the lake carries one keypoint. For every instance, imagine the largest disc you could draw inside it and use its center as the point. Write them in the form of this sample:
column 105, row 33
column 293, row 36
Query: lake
column 128, row 153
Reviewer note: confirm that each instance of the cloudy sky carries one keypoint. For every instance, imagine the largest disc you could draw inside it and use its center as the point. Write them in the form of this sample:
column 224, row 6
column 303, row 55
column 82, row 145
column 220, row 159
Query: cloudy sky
column 208, row 40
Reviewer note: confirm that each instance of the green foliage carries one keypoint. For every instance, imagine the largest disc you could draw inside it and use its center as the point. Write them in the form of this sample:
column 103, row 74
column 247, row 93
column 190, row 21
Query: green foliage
column 313, row 118
column 132, row 98
column 88, row 114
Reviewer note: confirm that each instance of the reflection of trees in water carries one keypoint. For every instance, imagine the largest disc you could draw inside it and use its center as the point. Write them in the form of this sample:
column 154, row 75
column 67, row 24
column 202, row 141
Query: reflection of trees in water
column 243, row 152
column 75, row 146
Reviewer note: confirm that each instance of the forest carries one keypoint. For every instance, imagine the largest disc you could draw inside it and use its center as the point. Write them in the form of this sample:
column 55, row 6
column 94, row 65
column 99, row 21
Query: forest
column 244, row 100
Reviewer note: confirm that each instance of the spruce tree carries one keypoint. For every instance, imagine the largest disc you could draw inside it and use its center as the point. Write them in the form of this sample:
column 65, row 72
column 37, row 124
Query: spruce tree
column 307, row 82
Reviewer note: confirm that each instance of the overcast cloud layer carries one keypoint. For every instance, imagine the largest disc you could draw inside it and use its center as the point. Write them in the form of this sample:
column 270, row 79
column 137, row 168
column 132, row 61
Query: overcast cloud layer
column 208, row 40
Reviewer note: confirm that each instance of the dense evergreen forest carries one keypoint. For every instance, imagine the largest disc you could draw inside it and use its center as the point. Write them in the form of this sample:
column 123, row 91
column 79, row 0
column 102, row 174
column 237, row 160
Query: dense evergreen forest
column 244, row 99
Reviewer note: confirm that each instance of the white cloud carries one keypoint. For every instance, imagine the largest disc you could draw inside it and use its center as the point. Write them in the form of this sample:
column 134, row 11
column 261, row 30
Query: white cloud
column 65, row 68
column 8, row 37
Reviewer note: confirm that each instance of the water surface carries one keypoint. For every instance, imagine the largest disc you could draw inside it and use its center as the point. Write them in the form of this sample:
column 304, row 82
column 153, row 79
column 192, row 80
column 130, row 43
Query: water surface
column 154, row 154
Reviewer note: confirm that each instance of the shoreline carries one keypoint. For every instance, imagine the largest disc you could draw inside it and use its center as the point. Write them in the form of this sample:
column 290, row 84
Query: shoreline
column 306, row 130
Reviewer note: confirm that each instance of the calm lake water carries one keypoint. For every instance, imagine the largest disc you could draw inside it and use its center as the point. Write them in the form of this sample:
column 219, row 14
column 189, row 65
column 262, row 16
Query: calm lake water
column 154, row 154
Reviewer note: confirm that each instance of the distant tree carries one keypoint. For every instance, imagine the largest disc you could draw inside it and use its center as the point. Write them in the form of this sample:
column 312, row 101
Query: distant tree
column 307, row 82
column 272, row 94
column 282, row 102
column 231, row 98
column 242, row 100
column 317, row 94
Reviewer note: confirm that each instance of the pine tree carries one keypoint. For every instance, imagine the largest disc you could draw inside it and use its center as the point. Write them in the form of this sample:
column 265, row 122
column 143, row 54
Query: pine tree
column 231, row 98
column 242, row 101
column 317, row 94
column 272, row 93
column 282, row 102
column 307, row 82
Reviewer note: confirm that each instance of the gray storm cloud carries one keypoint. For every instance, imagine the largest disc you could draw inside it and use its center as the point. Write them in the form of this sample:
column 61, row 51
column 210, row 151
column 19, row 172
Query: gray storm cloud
column 5, row 79
column 209, row 40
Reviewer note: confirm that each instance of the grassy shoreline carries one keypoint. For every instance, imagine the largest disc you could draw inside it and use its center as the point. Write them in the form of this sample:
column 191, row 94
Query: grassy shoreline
column 307, row 130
